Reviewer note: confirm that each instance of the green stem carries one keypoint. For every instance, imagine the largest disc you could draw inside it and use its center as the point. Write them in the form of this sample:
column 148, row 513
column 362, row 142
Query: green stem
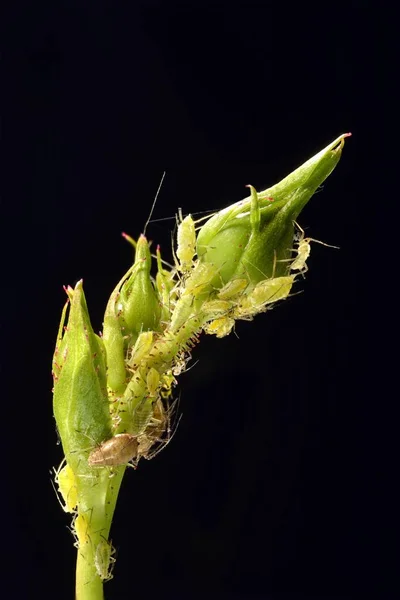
column 89, row 586
column 97, row 508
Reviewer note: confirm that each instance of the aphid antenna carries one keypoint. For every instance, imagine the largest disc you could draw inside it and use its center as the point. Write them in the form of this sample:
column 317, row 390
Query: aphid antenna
column 191, row 366
column 154, row 202
column 310, row 239
column 300, row 234
column 203, row 219
column 60, row 466
column 260, row 270
column 210, row 211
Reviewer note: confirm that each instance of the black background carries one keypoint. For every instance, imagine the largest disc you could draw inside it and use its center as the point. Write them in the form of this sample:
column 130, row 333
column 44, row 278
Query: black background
column 280, row 479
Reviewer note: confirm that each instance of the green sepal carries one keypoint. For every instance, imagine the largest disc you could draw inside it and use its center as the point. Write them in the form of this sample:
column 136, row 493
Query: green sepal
column 253, row 238
column 114, row 344
column 80, row 402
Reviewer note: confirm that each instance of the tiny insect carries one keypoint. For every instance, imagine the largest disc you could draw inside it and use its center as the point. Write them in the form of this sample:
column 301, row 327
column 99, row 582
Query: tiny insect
column 266, row 292
column 232, row 289
column 118, row 450
column 199, row 279
column 140, row 349
column 158, row 433
column 186, row 241
column 153, row 380
column 180, row 362
column 303, row 251
column 104, row 560
column 216, row 308
column 186, row 238
column 66, row 482
column 167, row 382
column 80, row 530
column 220, row 327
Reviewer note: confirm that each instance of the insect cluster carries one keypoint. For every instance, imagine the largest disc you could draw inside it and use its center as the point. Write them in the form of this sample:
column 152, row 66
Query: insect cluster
column 191, row 300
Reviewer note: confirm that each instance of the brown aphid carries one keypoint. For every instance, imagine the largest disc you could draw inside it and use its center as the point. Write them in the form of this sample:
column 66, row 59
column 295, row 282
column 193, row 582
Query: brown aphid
column 116, row 451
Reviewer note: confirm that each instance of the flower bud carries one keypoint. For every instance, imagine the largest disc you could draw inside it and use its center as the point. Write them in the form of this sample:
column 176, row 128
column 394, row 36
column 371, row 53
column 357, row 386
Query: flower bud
column 80, row 396
column 253, row 238
column 139, row 301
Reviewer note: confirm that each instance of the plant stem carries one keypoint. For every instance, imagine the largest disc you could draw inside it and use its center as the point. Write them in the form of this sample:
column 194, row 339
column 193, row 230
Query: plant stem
column 89, row 586
column 97, row 511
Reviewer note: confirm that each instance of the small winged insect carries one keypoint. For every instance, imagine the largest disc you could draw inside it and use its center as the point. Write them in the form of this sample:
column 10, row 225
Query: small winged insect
column 125, row 448
column 118, row 450
column 303, row 251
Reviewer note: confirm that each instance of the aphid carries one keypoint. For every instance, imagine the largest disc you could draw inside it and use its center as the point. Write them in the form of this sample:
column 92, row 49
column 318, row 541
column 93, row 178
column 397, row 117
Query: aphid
column 167, row 381
column 165, row 287
column 197, row 282
column 186, row 238
column 66, row 482
column 220, row 327
column 199, row 279
column 104, row 560
column 80, row 526
column 265, row 292
column 157, row 433
column 141, row 347
column 216, row 308
column 153, row 380
column 180, row 363
column 116, row 451
column 303, row 251
column 232, row 289
column 142, row 414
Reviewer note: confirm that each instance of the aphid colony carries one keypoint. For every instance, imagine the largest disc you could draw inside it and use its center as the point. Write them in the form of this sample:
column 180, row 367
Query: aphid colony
column 190, row 306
